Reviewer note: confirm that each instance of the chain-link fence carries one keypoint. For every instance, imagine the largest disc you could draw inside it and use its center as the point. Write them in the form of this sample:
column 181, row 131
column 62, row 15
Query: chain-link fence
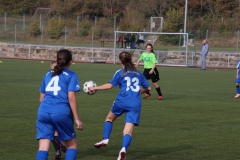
column 99, row 32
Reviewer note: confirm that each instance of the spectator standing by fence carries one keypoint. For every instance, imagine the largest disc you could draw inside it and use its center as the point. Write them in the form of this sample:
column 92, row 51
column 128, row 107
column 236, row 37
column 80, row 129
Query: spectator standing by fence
column 204, row 52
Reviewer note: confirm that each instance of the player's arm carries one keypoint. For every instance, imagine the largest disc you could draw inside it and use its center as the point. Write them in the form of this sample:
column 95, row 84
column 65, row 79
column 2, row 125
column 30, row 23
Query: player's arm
column 151, row 71
column 143, row 90
column 140, row 59
column 136, row 65
column 41, row 97
column 237, row 73
column 106, row 86
column 73, row 104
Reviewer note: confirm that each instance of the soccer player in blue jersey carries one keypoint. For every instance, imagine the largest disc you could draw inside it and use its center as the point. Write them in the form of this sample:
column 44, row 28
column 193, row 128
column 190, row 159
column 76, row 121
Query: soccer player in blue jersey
column 58, row 87
column 128, row 101
column 237, row 81
column 57, row 144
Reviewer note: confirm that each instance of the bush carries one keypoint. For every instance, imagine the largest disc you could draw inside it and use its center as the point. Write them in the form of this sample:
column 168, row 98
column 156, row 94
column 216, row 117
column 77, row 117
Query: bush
column 174, row 23
column 34, row 29
column 54, row 28
column 85, row 29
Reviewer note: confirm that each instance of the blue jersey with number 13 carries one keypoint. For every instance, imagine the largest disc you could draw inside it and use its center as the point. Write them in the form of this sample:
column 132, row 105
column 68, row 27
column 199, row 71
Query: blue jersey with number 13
column 56, row 90
column 129, row 84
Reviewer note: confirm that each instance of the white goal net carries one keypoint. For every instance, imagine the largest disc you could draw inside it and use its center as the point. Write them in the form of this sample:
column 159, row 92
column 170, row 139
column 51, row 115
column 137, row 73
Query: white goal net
column 168, row 47
column 42, row 12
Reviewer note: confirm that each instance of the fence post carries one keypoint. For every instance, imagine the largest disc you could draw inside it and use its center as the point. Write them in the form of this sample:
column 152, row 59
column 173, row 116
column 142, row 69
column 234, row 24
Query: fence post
column 24, row 22
column 95, row 23
column 207, row 34
column 77, row 24
column 92, row 42
column 237, row 40
column 65, row 35
column 42, row 35
column 29, row 51
column 5, row 20
column 59, row 18
column 40, row 21
column 15, row 33
column 180, row 36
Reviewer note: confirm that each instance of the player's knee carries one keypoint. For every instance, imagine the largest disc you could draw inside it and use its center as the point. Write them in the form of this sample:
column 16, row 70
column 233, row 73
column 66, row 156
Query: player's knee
column 109, row 119
column 155, row 84
column 127, row 132
column 237, row 85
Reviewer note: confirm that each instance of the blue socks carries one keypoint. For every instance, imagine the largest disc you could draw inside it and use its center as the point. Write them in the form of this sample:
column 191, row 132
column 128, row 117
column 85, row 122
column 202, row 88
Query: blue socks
column 238, row 89
column 42, row 155
column 71, row 154
column 107, row 129
column 126, row 141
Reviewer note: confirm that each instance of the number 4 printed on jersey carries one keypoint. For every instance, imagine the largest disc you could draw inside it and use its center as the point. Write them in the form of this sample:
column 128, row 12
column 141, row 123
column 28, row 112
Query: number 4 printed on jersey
column 53, row 85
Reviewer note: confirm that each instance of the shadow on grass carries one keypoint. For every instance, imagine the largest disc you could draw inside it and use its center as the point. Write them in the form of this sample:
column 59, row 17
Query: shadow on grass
column 148, row 153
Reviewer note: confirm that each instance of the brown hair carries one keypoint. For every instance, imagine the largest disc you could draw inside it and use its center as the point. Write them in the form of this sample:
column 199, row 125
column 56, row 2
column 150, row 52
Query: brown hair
column 126, row 59
column 149, row 44
column 64, row 57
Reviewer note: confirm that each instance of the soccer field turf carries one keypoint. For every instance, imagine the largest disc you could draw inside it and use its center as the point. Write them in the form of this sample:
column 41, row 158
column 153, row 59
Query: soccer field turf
column 198, row 118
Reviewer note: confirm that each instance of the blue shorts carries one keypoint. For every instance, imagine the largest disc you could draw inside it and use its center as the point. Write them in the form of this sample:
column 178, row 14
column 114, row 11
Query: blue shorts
column 47, row 123
column 130, row 116
column 237, row 80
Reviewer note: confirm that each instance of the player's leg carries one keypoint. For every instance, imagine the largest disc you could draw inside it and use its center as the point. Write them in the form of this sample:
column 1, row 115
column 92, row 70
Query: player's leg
column 155, row 78
column 107, row 129
column 237, row 81
column 45, row 133
column 131, row 119
column 56, row 146
column 126, row 140
column 64, row 126
column 147, row 76
column 71, row 153
column 42, row 153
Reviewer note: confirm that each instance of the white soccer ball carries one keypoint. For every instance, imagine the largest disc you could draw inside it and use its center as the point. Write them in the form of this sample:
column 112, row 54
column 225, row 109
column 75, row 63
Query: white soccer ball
column 88, row 84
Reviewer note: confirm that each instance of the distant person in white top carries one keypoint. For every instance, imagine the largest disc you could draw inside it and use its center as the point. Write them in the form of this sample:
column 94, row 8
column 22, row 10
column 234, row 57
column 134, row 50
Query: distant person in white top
column 140, row 39
column 204, row 52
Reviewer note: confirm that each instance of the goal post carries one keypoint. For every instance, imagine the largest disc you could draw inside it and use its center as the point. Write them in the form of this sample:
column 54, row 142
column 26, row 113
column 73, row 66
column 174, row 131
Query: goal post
column 42, row 12
column 167, row 55
column 156, row 22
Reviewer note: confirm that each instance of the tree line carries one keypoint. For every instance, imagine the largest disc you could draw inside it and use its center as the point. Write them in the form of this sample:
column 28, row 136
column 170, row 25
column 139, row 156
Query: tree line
column 115, row 8
column 221, row 16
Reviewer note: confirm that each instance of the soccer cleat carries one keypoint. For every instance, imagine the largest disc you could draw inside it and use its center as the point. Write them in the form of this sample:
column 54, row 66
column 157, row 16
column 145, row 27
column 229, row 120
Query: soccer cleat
column 61, row 145
column 147, row 95
column 160, row 97
column 237, row 96
column 102, row 143
column 122, row 154
column 57, row 155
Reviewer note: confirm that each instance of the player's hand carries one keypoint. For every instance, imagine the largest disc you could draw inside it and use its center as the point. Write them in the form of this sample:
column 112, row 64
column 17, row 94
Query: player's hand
column 142, row 90
column 79, row 124
column 136, row 65
column 91, row 89
column 236, row 76
column 151, row 71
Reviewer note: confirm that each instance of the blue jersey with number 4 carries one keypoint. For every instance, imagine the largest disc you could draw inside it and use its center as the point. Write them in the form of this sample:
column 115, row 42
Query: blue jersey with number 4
column 238, row 67
column 129, row 84
column 56, row 90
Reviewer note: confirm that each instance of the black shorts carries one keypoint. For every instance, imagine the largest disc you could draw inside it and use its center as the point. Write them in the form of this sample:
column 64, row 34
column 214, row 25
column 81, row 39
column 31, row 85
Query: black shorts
column 154, row 76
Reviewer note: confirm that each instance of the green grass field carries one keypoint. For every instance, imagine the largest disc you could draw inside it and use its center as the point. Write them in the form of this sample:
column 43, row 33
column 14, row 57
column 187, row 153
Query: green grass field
column 197, row 120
